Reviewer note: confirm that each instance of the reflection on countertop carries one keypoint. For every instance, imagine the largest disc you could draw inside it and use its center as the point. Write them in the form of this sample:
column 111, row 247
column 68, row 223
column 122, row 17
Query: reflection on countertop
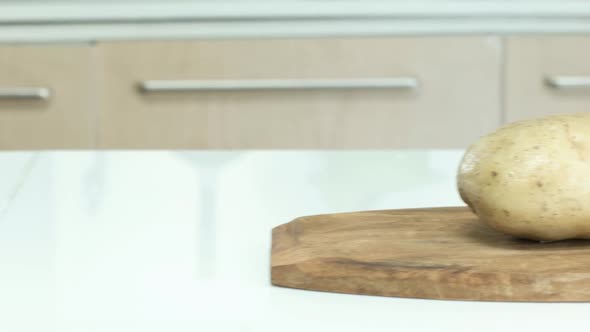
column 180, row 241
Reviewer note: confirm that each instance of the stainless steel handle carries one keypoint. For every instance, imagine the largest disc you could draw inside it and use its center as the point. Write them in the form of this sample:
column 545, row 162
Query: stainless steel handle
column 277, row 84
column 36, row 93
column 568, row 82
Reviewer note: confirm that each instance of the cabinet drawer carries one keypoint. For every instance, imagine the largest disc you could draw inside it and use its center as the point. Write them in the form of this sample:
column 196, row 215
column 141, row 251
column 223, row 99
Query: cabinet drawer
column 45, row 97
column 547, row 75
column 300, row 93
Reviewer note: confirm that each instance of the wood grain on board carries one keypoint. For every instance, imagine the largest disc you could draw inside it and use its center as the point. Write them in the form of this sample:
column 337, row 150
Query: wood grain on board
column 436, row 253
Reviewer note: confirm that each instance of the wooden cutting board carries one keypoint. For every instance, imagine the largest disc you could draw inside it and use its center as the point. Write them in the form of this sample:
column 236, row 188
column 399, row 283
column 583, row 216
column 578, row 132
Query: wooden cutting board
column 437, row 253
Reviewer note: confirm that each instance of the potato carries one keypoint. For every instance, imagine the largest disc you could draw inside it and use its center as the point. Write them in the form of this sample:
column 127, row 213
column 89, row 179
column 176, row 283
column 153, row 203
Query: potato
column 531, row 179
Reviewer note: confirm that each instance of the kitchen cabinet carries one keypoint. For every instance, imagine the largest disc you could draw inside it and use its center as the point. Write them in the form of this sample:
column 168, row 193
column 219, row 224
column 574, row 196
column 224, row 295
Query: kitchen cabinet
column 299, row 93
column 546, row 75
column 47, row 96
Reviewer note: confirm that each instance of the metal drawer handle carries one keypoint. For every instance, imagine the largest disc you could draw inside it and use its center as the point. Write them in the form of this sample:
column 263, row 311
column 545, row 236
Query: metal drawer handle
column 36, row 93
column 277, row 84
column 568, row 82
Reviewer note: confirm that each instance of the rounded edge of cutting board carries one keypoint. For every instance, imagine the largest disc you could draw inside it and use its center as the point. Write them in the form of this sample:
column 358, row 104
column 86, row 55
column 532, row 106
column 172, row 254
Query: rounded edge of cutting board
column 433, row 253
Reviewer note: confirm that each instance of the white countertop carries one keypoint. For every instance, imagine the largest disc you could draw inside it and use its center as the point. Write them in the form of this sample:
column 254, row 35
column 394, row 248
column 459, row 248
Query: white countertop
column 88, row 21
column 180, row 241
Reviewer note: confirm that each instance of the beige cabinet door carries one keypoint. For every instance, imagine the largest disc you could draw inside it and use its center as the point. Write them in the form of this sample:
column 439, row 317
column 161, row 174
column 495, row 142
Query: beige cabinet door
column 546, row 75
column 46, row 97
column 248, row 93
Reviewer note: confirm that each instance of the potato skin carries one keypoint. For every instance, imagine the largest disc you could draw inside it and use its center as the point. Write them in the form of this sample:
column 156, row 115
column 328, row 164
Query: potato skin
column 531, row 179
